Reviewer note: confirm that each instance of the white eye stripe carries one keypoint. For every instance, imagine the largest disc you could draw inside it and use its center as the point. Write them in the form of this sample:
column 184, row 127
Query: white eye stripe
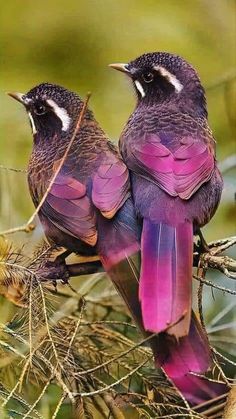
column 61, row 113
column 140, row 88
column 34, row 131
column 170, row 77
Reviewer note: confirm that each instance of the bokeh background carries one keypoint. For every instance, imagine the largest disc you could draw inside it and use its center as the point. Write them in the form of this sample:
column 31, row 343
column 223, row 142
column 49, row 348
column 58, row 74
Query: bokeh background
column 72, row 42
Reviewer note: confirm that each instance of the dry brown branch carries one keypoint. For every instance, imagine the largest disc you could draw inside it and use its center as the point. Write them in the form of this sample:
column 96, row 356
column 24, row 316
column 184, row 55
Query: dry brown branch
column 212, row 285
column 230, row 408
column 59, row 404
column 114, row 409
column 222, row 244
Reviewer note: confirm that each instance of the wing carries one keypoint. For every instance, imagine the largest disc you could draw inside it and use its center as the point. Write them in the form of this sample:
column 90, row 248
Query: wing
column 69, row 208
column 110, row 187
column 180, row 172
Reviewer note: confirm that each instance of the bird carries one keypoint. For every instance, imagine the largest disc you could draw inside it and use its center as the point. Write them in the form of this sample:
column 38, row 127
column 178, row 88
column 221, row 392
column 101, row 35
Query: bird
column 169, row 148
column 89, row 211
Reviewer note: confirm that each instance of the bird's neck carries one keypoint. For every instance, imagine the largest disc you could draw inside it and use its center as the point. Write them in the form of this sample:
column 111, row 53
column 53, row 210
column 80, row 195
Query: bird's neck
column 176, row 106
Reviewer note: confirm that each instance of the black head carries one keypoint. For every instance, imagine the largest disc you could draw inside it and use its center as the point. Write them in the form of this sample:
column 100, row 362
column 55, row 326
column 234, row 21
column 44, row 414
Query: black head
column 161, row 77
column 51, row 109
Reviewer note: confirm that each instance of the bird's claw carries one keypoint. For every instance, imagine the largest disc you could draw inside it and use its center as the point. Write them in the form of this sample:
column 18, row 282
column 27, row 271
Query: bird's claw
column 54, row 271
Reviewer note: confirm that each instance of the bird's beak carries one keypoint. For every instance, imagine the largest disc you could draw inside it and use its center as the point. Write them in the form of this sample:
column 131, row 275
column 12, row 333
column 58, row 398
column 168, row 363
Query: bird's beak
column 120, row 67
column 20, row 97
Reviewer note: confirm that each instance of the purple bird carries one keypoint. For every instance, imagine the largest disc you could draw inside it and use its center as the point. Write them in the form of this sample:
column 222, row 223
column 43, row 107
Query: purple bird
column 89, row 211
column 170, row 151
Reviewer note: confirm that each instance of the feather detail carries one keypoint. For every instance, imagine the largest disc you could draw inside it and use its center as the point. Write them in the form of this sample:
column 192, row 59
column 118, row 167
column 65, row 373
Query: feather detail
column 110, row 187
column 166, row 277
column 180, row 172
column 69, row 208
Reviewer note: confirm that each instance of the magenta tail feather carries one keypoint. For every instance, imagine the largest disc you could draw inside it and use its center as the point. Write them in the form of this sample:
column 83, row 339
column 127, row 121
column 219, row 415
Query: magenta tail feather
column 178, row 357
column 181, row 359
column 166, row 277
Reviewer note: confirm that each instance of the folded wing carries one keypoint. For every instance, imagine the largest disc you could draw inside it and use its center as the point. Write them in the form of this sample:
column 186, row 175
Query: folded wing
column 71, row 209
column 110, row 187
column 179, row 173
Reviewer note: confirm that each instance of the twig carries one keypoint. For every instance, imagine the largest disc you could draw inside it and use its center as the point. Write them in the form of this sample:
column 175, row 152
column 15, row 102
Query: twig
column 38, row 398
column 109, row 387
column 12, row 169
column 40, row 356
column 224, row 264
column 224, row 357
column 222, row 244
column 56, row 411
column 75, row 331
column 115, row 358
column 230, row 408
column 211, row 284
column 209, row 402
column 113, row 408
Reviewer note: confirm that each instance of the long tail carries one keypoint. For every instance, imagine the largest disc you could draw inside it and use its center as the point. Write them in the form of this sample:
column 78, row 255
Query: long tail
column 181, row 359
column 119, row 252
column 166, row 277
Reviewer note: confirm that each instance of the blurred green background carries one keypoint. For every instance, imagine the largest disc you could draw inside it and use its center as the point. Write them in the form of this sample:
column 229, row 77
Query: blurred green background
column 72, row 42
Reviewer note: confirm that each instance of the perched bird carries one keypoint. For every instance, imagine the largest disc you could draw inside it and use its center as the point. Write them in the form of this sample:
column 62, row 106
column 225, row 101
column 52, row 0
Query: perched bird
column 88, row 210
column 170, row 151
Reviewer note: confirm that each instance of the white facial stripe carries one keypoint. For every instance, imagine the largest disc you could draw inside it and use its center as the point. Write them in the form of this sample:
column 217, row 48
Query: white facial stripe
column 170, row 77
column 61, row 113
column 34, row 131
column 139, row 87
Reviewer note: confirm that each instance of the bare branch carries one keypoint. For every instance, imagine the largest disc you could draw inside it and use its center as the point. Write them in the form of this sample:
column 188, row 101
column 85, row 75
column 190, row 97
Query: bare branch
column 230, row 408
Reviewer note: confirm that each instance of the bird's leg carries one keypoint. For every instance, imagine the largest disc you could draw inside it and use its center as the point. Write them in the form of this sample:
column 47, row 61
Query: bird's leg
column 55, row 269
column 85, row 268
column 62, row 256
column 200, row 247
column 81, row 268
column 60, row 270
column 202, row 244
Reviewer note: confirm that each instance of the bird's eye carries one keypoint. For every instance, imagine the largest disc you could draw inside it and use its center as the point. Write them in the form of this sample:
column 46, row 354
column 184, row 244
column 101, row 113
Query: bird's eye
column 40, row 109
column 148, row 77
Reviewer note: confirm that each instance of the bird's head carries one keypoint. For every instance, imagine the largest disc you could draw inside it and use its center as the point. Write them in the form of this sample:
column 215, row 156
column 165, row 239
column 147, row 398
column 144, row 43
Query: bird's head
column 161, row 77
column 52, row 109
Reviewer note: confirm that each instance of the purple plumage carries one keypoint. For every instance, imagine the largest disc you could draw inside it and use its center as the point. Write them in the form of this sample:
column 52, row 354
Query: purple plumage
column 176, row 186
column 166, row 256
column 180, row 360
column 89, row 211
